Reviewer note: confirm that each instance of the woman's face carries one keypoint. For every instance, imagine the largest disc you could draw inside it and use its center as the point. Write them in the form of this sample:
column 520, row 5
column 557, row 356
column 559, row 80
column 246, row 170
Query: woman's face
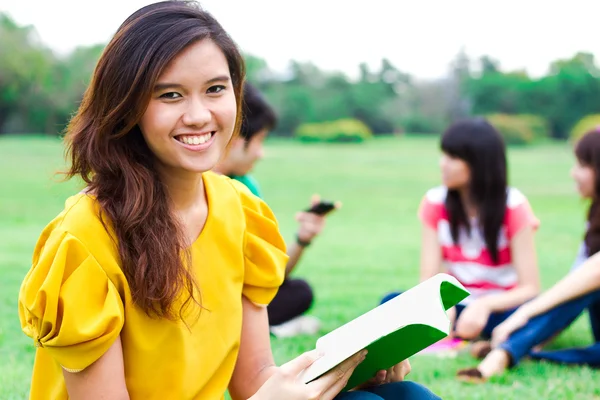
column 191, row 115
column 455, row 172
column 585, row 179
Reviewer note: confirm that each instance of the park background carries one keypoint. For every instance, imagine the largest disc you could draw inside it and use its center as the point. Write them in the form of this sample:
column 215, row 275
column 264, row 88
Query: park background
column 366, row 134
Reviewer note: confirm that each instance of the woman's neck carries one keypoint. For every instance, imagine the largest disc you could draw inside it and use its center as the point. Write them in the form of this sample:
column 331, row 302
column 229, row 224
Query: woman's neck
column 185, row 189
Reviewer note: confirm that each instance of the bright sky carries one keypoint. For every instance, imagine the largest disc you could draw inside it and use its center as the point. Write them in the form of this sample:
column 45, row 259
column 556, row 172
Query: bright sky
column 419, row 36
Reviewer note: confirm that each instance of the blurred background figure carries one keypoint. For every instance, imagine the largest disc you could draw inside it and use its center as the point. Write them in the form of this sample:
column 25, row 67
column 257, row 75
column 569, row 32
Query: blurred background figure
column 553, row 311
column 478, row 229
column 295, row 296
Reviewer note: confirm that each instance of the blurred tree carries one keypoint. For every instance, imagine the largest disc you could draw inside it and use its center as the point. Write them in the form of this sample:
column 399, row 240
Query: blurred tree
column 39, row 91
column 458, row 99
column 569, row 91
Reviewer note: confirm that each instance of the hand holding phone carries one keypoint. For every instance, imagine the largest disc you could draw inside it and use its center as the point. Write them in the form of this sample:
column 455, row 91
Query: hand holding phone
column 323, row 207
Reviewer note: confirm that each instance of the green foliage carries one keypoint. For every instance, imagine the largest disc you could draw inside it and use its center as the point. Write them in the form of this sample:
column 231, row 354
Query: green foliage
column 538, row 125
column 585, row 125
column 343, row 130
column 519, row 129
column 421, row 124
column 39, row 91
column 570, row 91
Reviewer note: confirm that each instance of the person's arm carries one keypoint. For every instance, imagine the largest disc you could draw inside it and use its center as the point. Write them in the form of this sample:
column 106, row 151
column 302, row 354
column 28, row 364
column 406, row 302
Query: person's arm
column 104, row 379
column 475, row 316
column 310, row 225
column 256, row 377
column 578, row 283
column 294, row 253
column 255, row 362
column 522, row 247
column 431, row 253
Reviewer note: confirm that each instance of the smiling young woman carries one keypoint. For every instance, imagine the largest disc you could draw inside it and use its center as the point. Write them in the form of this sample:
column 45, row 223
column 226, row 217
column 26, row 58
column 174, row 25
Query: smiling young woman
column 153, row 282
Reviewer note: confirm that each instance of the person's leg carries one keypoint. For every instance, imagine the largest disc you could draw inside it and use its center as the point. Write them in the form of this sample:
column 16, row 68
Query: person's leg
column 458, row 309
column 358, row 395
column 293, row 299
column 403, row 391
column 495, row 319
column 481, row 348
column 579, row 356
column 390, row 296
column 594, row 311
column 391, row 391
column 521, row 342
column 544, row 326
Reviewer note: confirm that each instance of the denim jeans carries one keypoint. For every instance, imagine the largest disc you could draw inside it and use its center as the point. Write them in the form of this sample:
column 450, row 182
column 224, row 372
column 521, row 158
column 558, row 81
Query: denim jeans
column 554, row 321
column 391, row 391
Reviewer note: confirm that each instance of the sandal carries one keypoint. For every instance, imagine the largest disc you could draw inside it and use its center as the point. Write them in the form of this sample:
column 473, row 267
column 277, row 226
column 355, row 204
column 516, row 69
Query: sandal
column 471, row 375
column 481, row 349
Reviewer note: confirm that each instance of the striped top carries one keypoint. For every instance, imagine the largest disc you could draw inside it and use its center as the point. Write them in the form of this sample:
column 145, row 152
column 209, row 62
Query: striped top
column 469, row 260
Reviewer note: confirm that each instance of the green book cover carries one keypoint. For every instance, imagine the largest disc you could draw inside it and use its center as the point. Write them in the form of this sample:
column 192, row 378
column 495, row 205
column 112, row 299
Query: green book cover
column 391, row 332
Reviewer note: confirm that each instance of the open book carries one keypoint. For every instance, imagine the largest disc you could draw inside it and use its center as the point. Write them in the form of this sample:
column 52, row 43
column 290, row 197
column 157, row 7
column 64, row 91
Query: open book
column 391, row 332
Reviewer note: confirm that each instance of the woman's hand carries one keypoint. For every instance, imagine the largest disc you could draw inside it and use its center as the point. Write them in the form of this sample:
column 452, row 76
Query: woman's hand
column 503, row 331
column 473, row 319
column 284, row 383
column 395, row 374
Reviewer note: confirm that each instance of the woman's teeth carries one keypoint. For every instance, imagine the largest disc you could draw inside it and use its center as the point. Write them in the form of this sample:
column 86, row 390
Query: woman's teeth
column 195, row 139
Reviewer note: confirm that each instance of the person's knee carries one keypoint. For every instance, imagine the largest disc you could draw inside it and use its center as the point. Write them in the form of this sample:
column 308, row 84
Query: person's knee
column 416, row 391
column 305, row 294
column 360, row 395
column 405, row 390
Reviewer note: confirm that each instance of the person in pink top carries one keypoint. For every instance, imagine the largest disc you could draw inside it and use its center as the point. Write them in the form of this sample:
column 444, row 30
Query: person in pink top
column 479, row 230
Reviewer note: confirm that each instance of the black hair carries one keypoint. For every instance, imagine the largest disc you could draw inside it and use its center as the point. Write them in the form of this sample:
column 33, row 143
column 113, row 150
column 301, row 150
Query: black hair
column 257, row 113
column 479, row 144
column 587, row 152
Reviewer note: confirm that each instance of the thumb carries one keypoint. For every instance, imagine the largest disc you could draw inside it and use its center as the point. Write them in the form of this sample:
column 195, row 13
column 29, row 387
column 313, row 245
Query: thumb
column 300, row 363
column 315, row 199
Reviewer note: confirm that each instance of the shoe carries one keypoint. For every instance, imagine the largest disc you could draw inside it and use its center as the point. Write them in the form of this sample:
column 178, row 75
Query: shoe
column 471, row 375
column 481, row 349
column 302, row 325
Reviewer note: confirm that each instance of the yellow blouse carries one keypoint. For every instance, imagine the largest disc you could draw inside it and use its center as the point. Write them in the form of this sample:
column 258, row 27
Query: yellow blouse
column 75, row 300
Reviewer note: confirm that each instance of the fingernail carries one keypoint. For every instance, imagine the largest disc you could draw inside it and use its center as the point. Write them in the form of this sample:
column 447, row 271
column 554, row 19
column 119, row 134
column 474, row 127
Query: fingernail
column 364, row 353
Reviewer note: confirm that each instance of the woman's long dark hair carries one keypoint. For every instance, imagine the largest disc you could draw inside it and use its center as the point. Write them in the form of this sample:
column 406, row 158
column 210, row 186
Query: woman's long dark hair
column 108, row 151
column 479, row 144
column 587, row 152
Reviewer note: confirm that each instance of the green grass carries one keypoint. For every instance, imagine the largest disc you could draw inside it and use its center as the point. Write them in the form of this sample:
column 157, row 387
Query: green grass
column 369, row 247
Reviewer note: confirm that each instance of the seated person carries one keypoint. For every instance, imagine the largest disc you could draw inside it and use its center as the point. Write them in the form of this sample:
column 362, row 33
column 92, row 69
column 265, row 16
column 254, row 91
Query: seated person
column 295, row 296
column 479, row 230
column 546, row 316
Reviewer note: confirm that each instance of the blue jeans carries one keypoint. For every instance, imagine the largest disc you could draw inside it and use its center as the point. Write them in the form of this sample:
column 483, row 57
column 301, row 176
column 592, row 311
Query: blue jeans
column 544, row 326
column 391, row 391
column 494, row 320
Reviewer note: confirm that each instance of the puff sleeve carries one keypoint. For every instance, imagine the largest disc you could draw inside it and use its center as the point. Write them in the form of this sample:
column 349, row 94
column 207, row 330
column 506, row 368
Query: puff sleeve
column 265, row 255
column 67, row 303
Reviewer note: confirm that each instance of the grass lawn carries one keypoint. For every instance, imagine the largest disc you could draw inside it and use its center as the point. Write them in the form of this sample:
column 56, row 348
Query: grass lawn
column 369, row 247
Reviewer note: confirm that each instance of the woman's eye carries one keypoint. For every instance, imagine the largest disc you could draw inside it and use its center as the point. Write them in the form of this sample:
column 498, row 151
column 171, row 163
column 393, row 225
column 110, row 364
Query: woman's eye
column 216, row 89
column 170, row 95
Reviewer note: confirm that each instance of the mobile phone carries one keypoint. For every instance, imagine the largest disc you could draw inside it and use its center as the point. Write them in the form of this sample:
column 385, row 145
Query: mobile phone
column 321, row 208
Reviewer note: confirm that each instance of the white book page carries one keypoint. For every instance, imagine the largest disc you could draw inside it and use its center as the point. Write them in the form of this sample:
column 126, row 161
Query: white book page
column 421, row 304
